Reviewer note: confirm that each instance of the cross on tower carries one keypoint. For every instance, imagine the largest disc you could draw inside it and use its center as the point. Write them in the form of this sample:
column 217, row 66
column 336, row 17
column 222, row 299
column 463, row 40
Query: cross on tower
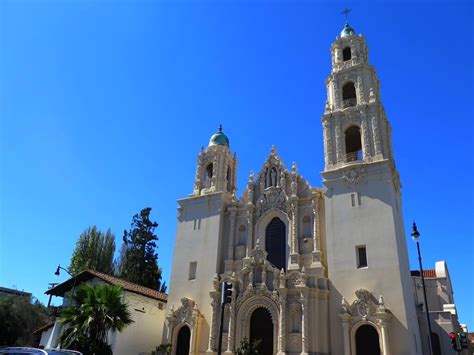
column 345, row 12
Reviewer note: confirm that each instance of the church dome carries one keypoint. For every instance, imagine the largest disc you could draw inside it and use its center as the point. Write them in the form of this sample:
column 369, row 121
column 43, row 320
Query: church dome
column 347, row 31
column 219, row 138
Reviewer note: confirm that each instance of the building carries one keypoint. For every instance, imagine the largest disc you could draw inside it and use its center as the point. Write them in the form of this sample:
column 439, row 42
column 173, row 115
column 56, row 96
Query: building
column 146, row 306
column 314, row 270
column 443, row 313
column 11, row 292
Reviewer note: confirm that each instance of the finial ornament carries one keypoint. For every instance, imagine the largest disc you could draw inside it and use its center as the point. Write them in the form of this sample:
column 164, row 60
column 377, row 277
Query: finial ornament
column 273, row 150
column 346, row 12
column 220, row 128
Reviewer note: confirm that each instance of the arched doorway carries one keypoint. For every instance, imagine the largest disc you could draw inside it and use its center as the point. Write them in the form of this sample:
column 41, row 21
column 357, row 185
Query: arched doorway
column 367, row 340
column 275, row 243
column 261, row 329
column 182, row 344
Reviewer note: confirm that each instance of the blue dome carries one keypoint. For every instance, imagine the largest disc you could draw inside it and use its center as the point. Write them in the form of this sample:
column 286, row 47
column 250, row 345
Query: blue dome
column 219, row 138
column 347, row 31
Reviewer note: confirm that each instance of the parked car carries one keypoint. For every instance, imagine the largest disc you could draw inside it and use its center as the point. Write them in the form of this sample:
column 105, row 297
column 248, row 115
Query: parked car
column 25, row 350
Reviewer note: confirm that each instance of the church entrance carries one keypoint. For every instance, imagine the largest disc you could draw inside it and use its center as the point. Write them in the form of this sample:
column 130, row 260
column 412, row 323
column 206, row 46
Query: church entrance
column 261, row 329
column 275, row 243
column 184, row 337
column 367, row 341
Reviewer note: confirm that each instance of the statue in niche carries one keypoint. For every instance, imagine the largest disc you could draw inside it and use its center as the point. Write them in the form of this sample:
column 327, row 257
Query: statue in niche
column 271, row 178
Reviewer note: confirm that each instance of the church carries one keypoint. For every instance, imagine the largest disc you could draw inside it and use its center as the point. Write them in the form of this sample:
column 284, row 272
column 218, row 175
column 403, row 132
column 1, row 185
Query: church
column 313, row 270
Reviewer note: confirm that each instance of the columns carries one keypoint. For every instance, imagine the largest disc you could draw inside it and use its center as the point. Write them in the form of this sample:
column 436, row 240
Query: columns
column 346, row 319
column 230, row 250
column 328, row 154
column 230, row 328
column 383, row 323
column 339, row 152
column 376, row 135
column 294, row 226
column 304, row 324
column 215, row 303
column 282, row 323
column 249, row 231
column 365, row 139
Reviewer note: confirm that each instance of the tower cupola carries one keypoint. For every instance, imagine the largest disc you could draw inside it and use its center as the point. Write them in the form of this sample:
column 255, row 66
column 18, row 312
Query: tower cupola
column 216, row 167
column 347, row 31
column 219, row 138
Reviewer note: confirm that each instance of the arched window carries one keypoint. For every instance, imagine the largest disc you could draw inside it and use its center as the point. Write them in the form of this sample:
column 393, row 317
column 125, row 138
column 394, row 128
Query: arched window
column 367, row 340
column 349, row 95
column 275, row 243
column 306, row 227
column 353, row 144
column 242, row 235
column 346, row 54
column 208, row 175
column 183, row 342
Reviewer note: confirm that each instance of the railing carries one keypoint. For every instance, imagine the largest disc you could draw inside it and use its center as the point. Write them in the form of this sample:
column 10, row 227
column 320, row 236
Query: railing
column 349, row 102
column 353, row 156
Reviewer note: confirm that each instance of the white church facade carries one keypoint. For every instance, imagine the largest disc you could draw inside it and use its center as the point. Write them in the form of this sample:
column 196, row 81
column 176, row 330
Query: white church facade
column 314, row 270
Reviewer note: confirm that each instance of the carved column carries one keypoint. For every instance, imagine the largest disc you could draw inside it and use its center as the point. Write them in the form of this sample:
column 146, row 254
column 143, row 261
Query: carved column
column 249, row 231
column 230, row 331
column 365, row 139
column 230, row 251
column 294, row 226
column 383, row 323
column 328, row 156
column 214, row 322
column 346, row 318
column 304, row 324
column 339, row 152
column 282, row 323
column 314, row 205
column 376, row 134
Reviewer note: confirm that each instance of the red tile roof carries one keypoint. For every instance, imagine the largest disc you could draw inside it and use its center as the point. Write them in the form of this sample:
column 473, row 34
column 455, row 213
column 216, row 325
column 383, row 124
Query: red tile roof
column 60, row 289
column 43, row 328
column 426, row 273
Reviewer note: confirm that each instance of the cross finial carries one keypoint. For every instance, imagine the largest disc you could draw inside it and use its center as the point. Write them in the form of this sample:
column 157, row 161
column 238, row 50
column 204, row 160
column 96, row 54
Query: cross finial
column 345, row 12
column 220, row 128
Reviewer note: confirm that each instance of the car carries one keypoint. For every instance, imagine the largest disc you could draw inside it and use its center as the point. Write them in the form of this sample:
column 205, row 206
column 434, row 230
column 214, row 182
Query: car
column 26, row 350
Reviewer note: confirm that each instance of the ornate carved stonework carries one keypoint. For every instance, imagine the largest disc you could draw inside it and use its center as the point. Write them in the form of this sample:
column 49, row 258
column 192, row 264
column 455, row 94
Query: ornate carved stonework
column 272, row 197
column 355, row 175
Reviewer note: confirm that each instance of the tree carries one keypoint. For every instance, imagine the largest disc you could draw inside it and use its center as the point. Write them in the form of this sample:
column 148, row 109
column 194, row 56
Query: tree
column 19, row 318
column 94, row 250
column 93, row 313
column 246, row 348
column 140, row 262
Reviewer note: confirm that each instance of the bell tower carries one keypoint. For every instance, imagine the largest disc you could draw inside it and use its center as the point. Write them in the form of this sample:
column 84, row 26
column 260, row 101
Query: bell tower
column 216, row 167
column 366, row 245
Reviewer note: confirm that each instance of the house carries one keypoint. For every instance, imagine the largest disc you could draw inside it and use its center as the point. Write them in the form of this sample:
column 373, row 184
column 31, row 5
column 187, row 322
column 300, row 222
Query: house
column 442, row 309
column 147, row 308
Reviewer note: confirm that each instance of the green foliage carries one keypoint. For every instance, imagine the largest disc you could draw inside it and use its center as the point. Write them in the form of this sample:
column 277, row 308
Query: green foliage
column 19, row 318
column 94, row 250
column 94, row 312
column 164, row 349
column 140, row 262
column 246, row 348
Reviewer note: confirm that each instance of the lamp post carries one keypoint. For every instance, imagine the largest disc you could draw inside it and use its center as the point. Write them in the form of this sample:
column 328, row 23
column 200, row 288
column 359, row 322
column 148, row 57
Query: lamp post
column 57, row 273
column 416, row 236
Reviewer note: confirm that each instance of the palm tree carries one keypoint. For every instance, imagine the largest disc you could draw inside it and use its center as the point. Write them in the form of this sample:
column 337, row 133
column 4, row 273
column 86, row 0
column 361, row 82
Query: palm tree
column 93, row 312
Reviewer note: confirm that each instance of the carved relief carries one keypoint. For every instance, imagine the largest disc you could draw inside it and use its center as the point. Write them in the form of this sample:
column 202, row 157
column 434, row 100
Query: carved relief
column 354, row 176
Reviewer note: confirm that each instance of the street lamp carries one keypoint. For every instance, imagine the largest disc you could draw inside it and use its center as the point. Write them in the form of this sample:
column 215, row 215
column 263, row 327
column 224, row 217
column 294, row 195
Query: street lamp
column 57, row 273
column 60, row 267
column 416, row 236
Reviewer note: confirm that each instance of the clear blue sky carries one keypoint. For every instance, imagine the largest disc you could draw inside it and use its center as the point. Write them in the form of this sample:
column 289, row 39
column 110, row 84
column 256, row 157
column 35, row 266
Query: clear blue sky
column 104, row 106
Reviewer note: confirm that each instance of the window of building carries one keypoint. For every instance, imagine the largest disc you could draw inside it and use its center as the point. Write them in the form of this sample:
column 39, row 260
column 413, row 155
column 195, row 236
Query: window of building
column 160, row 305
column 208, row 175
column 349, row 95
column 346, row 54
column 353, row 142
column 361, row 256
column 275, row 243
column 192, row 270
column 228, row 177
